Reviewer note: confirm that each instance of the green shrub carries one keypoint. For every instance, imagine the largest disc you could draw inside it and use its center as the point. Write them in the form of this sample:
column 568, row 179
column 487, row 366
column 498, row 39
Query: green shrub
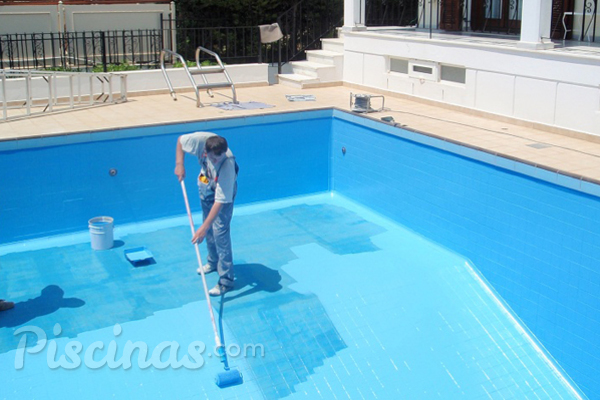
column 179, row 64
column 62, row 69
column 116, row 67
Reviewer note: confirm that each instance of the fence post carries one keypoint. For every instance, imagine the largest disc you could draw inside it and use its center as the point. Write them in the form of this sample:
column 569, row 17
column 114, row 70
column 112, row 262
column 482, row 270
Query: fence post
column 52, row 43
column 4, row 98
column 430, row 19
column 103, row 50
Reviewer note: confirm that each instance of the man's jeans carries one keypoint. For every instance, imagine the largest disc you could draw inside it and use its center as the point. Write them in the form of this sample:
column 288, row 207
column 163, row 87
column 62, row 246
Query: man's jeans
column 218, row 241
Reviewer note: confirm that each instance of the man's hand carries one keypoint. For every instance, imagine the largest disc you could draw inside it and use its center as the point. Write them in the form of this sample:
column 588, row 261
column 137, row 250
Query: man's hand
column 200, row 234
column 180, row 171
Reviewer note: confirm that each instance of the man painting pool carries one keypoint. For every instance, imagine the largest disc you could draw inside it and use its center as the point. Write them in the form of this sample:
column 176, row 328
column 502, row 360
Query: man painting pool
column 218, row 186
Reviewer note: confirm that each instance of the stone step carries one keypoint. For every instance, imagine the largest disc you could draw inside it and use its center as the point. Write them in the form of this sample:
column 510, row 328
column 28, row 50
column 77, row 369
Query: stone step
column 325, row 57
column 323, row 72
column 297, row 80
column 305, row 82
column 335, row 45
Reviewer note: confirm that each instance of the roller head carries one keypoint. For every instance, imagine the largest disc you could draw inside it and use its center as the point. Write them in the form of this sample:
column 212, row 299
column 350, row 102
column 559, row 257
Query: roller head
column 229, row 378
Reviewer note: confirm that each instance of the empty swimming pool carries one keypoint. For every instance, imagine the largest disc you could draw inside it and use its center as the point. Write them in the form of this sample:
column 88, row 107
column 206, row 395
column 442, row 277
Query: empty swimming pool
column 371, row 262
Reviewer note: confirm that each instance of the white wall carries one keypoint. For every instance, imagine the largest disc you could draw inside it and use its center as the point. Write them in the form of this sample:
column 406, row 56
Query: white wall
column 138, row 82
column 19, row 19
column 241, row 74
column 54, row 18
column 115, row 17
column 546, row 87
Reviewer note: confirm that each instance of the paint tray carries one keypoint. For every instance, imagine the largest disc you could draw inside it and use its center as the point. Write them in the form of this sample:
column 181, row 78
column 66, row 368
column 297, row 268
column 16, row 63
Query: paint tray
column 300, row 97
column 139, row 256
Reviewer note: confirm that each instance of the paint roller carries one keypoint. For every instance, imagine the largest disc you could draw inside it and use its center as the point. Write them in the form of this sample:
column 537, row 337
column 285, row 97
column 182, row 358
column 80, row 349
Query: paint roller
column 230, row 376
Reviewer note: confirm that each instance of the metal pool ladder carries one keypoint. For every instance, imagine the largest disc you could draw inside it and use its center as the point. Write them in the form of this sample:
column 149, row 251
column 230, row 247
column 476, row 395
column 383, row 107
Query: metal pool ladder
column 202, row 71
column 26, row 93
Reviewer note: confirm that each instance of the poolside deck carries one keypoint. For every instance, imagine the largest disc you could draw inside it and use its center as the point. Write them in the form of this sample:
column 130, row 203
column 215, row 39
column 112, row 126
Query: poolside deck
column 571, row 153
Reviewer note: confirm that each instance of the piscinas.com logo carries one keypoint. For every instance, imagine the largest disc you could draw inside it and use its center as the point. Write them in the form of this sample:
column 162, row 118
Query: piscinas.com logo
column 98, row 354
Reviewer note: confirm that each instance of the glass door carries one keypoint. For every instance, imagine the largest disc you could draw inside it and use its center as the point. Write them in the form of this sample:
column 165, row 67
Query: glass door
column 497, row 16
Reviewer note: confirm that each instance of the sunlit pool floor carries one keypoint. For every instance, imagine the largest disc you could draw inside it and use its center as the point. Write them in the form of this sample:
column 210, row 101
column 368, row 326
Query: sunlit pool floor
column 347, row 304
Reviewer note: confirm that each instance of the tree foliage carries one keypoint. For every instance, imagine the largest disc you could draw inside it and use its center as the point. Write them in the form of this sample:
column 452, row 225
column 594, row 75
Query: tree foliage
column 209, row 13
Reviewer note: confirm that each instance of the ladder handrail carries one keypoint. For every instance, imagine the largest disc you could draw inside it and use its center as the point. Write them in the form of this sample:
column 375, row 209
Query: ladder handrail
column 200, row 49
column 166, row 76
column 216, row 56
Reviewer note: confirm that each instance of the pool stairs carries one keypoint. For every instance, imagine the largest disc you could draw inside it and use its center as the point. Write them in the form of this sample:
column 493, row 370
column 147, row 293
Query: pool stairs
column 322, row 67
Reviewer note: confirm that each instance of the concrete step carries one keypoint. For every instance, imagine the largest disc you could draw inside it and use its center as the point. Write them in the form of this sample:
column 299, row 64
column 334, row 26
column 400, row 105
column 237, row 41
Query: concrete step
column 297, row 80
column 305, row 82
column 323, row 72
column 335, row 45
column 324, row 57
column 327, row 57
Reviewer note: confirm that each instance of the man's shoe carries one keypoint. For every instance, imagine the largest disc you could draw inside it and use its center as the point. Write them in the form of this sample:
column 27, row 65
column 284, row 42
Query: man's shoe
column 6, row 305
column 219, row 290
column 207, row 269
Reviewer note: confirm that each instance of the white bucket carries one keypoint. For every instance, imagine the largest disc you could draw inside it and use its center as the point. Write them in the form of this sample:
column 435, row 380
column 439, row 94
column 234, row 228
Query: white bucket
column 101, row 231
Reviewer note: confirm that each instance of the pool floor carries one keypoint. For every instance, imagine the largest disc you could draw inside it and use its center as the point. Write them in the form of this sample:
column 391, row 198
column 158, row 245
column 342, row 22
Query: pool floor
column 345, row 303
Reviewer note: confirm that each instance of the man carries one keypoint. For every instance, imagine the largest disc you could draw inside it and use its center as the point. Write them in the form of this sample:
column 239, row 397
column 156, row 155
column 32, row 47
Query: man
column 6, row 305
column 218, row 186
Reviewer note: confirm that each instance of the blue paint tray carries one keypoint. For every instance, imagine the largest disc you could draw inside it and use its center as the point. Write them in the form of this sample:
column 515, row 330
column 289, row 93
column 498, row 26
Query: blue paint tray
column 139, row 256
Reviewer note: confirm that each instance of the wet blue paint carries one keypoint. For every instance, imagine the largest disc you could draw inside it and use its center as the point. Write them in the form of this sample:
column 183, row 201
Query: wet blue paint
column 402, row 318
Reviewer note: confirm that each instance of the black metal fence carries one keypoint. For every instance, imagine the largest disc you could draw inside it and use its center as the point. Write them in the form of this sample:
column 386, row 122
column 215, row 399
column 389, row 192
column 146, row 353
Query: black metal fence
column 306, row 23
column 81, row 51
column 235, row 45
column 303, row 26
column 391, row 12
column 121, row 50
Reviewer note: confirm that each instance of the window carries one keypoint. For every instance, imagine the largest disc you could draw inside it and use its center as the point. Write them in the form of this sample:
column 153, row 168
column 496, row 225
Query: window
column 453, row 74
column 399, row 65
column 423, row 70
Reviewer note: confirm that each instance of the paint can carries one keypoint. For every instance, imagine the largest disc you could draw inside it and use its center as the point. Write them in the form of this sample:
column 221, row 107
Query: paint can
column 101, row 232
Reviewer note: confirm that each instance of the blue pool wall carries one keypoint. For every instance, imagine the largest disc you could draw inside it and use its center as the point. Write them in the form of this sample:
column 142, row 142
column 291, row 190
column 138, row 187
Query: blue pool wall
column 531, row 232
column 536, row 242
column 55, row 185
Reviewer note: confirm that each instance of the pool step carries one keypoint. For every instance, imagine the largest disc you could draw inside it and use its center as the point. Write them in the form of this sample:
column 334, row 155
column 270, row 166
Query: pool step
column 335, row 45
column 322, row 67
column 297, row 80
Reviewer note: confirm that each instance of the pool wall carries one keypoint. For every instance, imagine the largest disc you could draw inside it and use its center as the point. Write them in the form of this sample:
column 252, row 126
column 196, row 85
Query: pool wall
column 55, row 185
column 537, row 243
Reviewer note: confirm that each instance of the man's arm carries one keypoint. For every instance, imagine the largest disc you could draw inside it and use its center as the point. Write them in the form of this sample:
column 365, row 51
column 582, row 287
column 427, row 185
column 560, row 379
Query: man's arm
column 201, row 232
column 179, row 157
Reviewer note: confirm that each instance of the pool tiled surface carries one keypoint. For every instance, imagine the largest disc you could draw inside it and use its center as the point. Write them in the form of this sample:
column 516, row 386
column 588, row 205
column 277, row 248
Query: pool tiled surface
column 347, row 304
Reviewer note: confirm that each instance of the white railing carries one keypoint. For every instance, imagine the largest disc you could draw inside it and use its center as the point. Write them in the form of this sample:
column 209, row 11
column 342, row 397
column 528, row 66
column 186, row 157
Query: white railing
column 199, row 70
column 28, row 93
